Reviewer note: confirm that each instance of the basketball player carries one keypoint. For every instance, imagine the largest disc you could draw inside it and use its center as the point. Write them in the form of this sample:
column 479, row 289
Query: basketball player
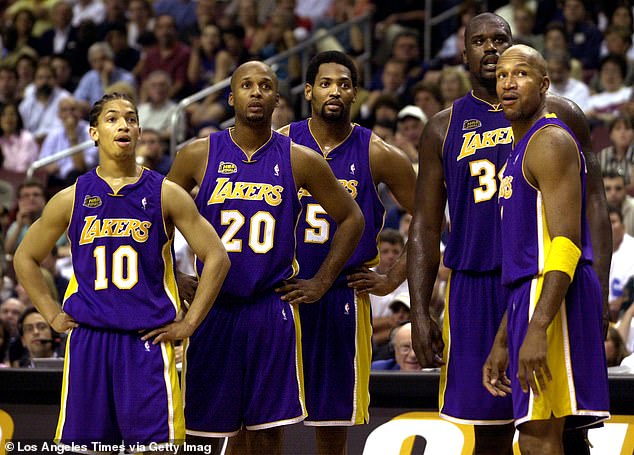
column 337, row 331
column 555, row 340
column 464, row 149
column 243, row 366
column 120, row 381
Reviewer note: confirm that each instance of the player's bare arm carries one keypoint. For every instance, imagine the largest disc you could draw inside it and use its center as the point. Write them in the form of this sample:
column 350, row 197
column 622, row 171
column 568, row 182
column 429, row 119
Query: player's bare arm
column 424, row 241
column 285, row 130
column 596, row 204
column 494, row 376
column 36, row 245
column 187, row 171
column 180, row 211
column 391, row 166
column 313, row 173
column 551, row 164
column 188, row 168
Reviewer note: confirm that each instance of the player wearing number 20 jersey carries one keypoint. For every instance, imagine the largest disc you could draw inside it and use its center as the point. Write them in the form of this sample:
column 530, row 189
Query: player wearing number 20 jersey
column 476, row 145
column 250, row 331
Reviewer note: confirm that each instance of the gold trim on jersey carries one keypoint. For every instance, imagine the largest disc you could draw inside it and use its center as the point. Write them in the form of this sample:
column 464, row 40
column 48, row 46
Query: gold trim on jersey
column 249, row 159
column 72, row 288
column 116, row 193
column 169, row 279
column 531, row 138
column 446, row 336
column 321, row 150
column 59, row 432
column 175, row 411
column 362, row 360
column 494, row 107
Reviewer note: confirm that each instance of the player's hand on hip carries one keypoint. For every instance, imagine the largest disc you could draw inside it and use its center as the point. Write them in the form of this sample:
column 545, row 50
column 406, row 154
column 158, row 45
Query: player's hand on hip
column 177, row 330
column 494, row 376
column 533, row 368
column 186, row 286
column 63, row 322
column 427, row 343
column 302, row 291
column 365, row 280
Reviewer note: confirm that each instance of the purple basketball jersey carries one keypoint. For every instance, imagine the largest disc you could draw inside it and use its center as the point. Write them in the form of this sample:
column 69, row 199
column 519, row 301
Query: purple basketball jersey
column 119, row 282
column 475, row 149
column 253, row 206
column 526, row 237
column 350, row 162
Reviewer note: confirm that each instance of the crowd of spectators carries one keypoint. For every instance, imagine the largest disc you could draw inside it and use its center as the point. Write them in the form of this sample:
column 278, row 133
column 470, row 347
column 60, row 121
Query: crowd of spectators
column 58, row 56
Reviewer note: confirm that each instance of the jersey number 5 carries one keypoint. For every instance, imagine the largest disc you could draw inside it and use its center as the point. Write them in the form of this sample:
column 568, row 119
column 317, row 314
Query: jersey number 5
column 125, row 267
column 319, row 230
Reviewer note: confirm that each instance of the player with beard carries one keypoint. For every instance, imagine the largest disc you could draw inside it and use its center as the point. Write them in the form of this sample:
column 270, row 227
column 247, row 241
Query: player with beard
column 462, row 151
column 243, row 367
column 337, row 331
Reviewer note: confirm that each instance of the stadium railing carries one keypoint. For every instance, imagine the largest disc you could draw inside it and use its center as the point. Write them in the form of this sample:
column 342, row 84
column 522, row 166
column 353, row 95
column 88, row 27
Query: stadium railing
column 303, row 49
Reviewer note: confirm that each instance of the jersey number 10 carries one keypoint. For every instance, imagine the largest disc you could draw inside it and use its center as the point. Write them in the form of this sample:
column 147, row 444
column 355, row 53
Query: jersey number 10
column 125, row 267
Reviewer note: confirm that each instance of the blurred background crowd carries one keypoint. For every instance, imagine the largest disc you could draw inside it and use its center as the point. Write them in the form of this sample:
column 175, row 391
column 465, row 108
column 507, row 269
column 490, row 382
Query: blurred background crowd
column 57, row 57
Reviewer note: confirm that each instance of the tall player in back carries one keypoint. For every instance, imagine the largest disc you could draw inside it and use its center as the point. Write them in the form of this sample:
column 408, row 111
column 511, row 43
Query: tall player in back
column 120, row 381
column 336, row 331
column 555, row 340
column 464, row 148
column 249, row 178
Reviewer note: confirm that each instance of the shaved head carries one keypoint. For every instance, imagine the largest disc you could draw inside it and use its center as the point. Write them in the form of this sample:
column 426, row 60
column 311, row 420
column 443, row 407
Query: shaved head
column 486, row 19
column 249, row 67
column 526, row 54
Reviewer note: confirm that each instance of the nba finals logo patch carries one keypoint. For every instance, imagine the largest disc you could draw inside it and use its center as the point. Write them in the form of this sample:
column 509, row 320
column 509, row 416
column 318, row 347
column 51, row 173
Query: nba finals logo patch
column 227, row 168
column 92, row 202
column 471, row 124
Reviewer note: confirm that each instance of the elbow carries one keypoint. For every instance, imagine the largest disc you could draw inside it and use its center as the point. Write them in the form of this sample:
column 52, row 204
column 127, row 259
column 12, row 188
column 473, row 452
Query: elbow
column 359, row 221
column 224, row 264
column 19, row 261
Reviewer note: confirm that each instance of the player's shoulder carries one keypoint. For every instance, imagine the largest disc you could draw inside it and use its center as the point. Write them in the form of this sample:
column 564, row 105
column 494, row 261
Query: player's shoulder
column 379, row 148
column 552, row 139
column 436, row 128
column 198, row 148
column 63, row 200
column 564, row 108
column 285, row 130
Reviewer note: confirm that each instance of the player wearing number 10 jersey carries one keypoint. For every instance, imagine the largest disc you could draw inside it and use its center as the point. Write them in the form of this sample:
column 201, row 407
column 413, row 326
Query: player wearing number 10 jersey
column 120, row 381
column 243, row 366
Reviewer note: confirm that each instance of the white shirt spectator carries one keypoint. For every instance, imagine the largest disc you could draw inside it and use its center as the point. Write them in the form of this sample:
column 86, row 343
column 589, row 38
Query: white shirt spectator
column 156, row 118
column 41, row 118
column 19, row 151
column 56, row 141
column 184, row 255
column 574, row 90
column 622, row 267
column 609, row 102
column 312, row 9
column 381, row 303
column 94, row 11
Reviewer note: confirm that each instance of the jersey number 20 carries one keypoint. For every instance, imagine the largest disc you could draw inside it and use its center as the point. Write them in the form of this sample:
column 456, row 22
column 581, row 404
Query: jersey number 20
column 261, row 231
